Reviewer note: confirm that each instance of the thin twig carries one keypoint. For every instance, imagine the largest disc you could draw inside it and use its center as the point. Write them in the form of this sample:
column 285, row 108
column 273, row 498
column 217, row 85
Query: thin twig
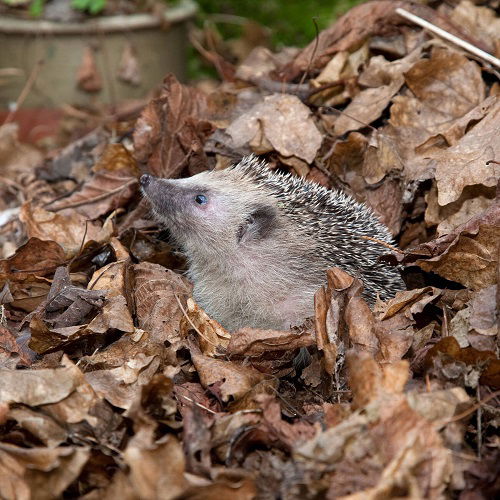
column 95, row 198
column 296, row 412
column 465, row 456
column 64, row 195
column 198, row 404
column 191, row 322
column 316, row 43
column 471, row 410
column 326, row 86
column 449, row 37
column 383, row 243
column 26, row 90
column 341, row 112
column 479, row 418
column 83, row 241
column 107, row 66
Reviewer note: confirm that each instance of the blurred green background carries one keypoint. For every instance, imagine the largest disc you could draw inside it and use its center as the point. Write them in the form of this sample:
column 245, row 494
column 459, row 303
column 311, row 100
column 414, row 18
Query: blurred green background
column 290, row 22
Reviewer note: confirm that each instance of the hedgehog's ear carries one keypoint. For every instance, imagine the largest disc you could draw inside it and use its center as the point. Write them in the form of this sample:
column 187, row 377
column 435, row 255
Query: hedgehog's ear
column 258, row 224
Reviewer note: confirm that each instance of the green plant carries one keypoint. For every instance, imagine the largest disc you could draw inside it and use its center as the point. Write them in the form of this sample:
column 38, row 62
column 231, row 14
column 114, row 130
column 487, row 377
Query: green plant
column 92, row 6
column 36, row 6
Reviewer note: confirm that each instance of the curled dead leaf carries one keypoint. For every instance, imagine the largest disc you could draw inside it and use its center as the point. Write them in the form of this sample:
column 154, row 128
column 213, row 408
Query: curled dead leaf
column 88, row 77
column 212, row 337
column 129, row 68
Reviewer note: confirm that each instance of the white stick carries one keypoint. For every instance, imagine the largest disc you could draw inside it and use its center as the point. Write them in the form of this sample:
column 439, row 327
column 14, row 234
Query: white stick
column 448, row 36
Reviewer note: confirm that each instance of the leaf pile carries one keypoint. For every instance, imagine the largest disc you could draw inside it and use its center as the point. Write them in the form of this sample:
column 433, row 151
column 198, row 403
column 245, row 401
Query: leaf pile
column 115, row 384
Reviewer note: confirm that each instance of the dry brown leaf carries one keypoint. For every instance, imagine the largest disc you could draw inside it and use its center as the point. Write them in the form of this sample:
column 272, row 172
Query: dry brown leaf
column 347, row 158
column 270, row 351
column 472, row 160
column 447, row 100
column 440, row 405
column 212, row 337
column 70, row 313
column 390, row 455
column 69, row 231
column 383, row 79
column 349, row 30
column 473, row 201
column 15, row 157
column 114, row 316
column 42, row 426
column 369, row 380
column 483, row 318
column 39, row 472
column 328, row 329
column 232, row 380
column 386, row 201
column 344, row 320
column 383, row 155
column 258, row 64
column 278, row 429
column 88, row 77
column 121, row 385
column 468, row 254
column 280, row 122
column 112, row 278
column 149, row 477
column 75, row 160
column 450, row 133
column 112, row 186
column 478, row 21
column 252, row 342
column 226, row 486
column 452, row 362
column 196, row 437
column 157, row 308
column 12, row 352
column 34, row 258
column 82, row 405
column 129, row 68
column 471, row 260
column 469, row 209
column 37, row 387
column 410, row 301
column 170, row 132
column 412, row 455
column 448, row 83
column 29, row 293
column 24, row 272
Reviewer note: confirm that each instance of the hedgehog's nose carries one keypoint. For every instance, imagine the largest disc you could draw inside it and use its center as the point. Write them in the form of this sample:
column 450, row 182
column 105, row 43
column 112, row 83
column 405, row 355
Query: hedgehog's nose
column 145, row 180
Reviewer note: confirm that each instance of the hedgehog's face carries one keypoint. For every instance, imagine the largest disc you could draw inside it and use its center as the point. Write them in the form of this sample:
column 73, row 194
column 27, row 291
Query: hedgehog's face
column 209, row 209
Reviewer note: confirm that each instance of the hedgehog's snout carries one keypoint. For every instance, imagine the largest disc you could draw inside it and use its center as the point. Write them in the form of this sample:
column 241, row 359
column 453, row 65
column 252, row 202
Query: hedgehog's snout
column 150, row 188
column 164, row 196
column 145, row 180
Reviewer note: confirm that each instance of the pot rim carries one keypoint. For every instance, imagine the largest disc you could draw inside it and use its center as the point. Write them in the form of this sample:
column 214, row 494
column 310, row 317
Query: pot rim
column 183, row 11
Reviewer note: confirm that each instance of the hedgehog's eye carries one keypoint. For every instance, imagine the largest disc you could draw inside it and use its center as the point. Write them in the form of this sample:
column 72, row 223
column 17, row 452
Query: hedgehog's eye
column 201, row 199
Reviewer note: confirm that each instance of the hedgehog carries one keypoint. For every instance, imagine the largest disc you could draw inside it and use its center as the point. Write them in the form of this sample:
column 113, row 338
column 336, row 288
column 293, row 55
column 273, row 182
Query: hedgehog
column 258, row 242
